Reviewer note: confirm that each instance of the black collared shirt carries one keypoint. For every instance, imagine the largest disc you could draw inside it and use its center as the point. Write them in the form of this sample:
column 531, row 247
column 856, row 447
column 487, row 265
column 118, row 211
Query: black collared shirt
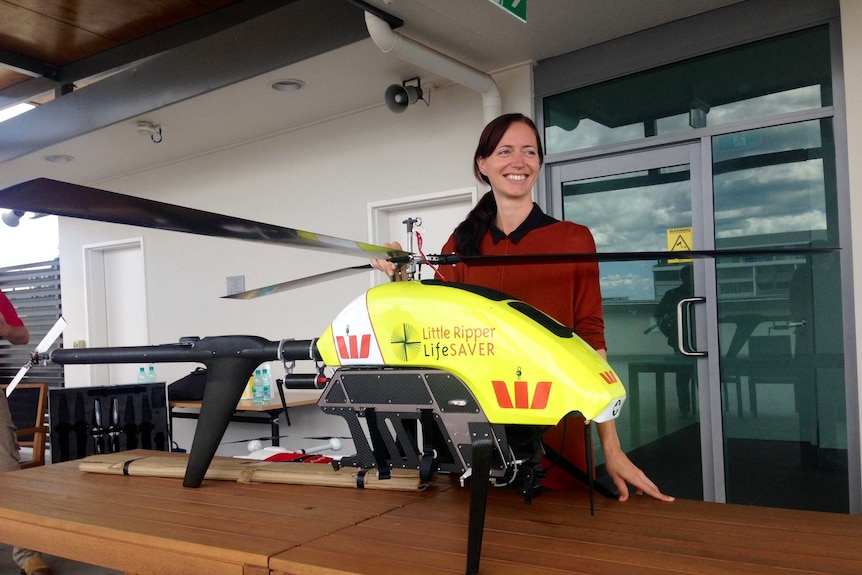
column 536, row 219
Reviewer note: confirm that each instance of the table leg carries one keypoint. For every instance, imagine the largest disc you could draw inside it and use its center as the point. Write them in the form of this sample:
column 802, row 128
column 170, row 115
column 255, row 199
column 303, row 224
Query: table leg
column 634, row 402
column 661, row 408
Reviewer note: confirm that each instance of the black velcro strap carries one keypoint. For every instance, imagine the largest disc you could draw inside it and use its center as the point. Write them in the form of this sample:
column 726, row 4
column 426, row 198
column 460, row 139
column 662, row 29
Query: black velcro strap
column 360, row 479
column 128, row 462
column 426, row 461
column 378, row 446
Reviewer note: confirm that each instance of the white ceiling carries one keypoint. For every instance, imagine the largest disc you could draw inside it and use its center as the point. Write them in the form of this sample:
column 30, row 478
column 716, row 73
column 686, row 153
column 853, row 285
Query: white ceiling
column 348, row 79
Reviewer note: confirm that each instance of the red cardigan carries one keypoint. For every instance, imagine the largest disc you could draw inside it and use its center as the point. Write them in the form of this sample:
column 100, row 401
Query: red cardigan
column 569, row 293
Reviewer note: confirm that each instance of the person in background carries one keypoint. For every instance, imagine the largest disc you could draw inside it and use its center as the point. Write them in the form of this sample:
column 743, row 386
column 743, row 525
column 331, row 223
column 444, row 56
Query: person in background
column 13, row 330
column 507, row 221
column 666, row 320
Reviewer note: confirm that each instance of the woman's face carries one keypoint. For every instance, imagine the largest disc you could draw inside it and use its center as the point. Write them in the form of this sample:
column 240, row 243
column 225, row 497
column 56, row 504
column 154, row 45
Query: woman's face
column 514, row 164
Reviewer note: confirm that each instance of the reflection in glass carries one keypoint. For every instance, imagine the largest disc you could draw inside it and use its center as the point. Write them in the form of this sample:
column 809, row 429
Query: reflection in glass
column 654, row 200
column 784, row 74
column 630, row 212
column 780, row 322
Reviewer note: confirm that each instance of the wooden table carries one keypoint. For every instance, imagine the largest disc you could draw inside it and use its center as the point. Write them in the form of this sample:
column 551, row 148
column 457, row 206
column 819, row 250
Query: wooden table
column 155, row 526
column 250, row 412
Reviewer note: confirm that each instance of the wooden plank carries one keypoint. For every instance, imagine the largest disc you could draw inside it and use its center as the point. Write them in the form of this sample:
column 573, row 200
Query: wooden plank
column 251, row 471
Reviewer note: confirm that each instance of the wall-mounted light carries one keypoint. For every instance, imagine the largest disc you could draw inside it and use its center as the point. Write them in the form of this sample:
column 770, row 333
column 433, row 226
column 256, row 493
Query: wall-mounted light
column 154, row 131
column 397, row 97
column 13, row 217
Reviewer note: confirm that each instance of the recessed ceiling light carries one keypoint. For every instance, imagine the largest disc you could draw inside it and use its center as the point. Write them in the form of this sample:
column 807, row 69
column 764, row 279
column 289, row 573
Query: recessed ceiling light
column 59, row 158
column 287, row 85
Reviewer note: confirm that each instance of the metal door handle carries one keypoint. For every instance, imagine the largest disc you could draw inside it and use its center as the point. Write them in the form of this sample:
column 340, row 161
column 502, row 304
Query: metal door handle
column 683, row 327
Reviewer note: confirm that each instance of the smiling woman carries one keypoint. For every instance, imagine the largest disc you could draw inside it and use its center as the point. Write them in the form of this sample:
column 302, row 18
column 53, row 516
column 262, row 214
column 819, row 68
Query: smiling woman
column 32, row 240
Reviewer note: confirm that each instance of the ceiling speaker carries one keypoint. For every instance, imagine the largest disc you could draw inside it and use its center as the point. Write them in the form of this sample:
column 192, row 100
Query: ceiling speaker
column 398, row 97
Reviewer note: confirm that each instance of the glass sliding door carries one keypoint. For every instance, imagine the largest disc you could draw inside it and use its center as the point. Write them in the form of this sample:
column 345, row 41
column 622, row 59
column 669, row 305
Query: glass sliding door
column 780, row 323
column 634, row 203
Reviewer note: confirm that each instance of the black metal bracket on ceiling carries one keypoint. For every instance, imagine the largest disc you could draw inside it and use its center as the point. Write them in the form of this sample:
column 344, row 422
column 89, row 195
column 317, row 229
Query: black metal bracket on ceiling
column 27, row 65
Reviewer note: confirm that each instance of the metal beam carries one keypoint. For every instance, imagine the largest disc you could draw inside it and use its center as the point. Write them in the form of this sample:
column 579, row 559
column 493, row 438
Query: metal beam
column 288, row 34
column 25, row 64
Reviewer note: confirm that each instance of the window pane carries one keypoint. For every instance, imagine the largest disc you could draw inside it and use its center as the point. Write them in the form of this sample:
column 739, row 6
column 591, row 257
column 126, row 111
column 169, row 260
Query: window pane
column 784, row 74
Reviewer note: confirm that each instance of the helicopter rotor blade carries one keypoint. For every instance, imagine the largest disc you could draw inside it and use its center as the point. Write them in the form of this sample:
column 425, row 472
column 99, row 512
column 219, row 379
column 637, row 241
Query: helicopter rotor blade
column 18, row 377
column 525, row 259
column 48, row 196
column 52, row 335
column 43, row 346
column 522, row 259
column 301, row 282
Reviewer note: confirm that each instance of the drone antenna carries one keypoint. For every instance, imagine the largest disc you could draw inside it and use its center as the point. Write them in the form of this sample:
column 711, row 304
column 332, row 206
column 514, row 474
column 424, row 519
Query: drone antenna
column 412, row 267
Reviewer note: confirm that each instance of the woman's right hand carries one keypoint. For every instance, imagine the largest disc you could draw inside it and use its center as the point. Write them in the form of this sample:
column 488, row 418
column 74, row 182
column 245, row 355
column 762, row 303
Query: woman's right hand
column 386, row 266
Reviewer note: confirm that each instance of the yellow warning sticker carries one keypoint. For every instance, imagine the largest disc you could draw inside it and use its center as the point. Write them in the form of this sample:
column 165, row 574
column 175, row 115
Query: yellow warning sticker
column 679, row 240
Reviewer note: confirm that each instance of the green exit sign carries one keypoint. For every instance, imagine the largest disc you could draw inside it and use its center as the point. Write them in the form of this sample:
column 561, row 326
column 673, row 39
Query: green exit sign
column 517, row 8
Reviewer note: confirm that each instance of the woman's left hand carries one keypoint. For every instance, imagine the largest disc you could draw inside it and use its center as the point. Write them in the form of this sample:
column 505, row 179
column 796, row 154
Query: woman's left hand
column 620, row 468
column 624, row 473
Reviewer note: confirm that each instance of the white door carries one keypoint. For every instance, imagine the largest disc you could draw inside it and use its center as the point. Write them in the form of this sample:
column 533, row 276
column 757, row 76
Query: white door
column 117, row 305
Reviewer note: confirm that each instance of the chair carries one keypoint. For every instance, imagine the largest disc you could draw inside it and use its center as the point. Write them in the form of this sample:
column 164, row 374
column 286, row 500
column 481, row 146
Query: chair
column 28, row 405
column 773, row 351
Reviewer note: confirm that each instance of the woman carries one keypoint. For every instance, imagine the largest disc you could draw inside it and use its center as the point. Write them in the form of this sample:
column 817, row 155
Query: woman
column 506, row 221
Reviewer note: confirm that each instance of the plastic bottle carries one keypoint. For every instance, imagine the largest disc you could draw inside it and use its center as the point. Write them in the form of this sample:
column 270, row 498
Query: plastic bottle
column 257, row 388
column 142, row 375
column 151, row 374
column 267, row 385
column 248, row 392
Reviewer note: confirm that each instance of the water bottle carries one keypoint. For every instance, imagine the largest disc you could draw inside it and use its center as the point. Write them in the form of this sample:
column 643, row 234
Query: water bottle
column 257, row 388
column 151, row 374
column 248, row 392
column 142, row 375
column 267, row 385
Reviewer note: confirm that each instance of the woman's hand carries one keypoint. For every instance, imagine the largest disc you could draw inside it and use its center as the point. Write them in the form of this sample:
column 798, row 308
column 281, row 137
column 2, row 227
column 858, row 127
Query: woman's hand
column 386, row 266
column 620, row 468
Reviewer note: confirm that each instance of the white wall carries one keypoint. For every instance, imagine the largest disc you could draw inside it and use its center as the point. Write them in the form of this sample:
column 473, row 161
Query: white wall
column 851, row 24
column 319, row 179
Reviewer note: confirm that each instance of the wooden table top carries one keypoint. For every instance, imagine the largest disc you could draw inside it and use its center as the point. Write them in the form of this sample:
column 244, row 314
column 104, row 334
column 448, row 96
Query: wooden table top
column 293, row 398
column 148, row 525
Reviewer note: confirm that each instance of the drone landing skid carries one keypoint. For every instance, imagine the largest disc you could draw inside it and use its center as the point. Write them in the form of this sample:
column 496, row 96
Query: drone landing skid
column 408, row 408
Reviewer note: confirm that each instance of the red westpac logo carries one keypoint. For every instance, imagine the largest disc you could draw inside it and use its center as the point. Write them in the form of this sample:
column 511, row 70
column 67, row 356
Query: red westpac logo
column 541, row 392
column 351, row 347
column 609, row 377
